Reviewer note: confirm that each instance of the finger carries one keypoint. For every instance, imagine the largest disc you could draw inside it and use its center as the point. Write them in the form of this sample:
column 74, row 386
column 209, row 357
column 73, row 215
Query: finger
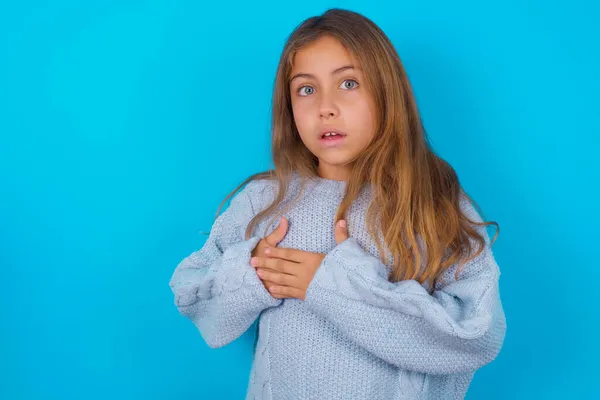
column 279, row 265
column 278, row 234
column 341, row 231
column 269, row 286
column 275, row 295
column 287, row 291
column 276, row 277
column 294, row 255
column 274, row 264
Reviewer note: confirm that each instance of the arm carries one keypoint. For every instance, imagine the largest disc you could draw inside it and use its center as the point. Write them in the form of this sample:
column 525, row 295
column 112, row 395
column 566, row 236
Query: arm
column 459, row 328
column 216, row 287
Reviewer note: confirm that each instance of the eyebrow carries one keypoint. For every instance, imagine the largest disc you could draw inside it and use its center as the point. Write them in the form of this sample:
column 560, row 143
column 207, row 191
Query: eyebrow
column 310, row 76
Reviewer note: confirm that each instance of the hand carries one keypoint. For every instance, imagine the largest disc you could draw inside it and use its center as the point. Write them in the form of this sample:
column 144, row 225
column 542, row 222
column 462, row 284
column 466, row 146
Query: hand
column 288, row 272
column 273, row 239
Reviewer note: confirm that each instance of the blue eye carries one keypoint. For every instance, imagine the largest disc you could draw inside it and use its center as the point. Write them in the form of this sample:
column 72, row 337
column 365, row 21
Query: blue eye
column 306, row 90
column 349, row 84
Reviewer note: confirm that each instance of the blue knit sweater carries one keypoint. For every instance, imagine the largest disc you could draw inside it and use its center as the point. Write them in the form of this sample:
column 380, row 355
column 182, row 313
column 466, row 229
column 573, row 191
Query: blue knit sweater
column 357, row 335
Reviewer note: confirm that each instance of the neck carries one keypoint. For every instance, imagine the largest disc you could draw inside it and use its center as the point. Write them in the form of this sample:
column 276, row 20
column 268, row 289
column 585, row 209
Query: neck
column 333, row 173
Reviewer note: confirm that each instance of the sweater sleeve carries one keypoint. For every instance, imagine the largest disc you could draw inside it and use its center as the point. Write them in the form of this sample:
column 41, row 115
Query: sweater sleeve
column 216, row 287
column 458, row 328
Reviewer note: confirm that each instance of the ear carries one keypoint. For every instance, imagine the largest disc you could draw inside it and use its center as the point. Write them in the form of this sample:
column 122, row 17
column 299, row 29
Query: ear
column 341, row 231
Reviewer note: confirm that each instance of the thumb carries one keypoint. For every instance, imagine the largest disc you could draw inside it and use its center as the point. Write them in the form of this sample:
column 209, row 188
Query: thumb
column 279, row 233
column 341, row 231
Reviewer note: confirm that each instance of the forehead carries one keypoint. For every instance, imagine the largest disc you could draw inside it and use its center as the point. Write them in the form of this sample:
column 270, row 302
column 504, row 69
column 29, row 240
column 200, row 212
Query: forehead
column 323, row 55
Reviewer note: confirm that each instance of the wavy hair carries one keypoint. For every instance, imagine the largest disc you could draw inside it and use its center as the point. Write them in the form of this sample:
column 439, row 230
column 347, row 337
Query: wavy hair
column 416, row 194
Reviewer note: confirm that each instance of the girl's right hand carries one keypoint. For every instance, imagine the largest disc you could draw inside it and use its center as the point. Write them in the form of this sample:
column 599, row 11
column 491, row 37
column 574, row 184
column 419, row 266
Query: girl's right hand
column 272, row 240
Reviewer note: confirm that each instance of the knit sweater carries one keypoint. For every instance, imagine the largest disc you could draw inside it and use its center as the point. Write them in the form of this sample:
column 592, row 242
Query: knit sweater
column 356, row 335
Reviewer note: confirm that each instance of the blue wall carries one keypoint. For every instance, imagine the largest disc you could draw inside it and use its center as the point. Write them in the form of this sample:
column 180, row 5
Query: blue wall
column 123, row 124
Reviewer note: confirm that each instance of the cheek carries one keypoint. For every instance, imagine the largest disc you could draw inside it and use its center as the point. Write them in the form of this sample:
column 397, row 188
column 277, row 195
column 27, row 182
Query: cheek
column 362, row 117
column 303, row 115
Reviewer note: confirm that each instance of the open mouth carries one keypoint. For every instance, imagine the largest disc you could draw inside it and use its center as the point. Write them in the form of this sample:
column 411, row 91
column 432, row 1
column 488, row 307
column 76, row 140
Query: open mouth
column 332, row 138
column 332, row 135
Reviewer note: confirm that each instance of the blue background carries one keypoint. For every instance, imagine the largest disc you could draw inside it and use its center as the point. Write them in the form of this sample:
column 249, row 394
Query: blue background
column 123, row 124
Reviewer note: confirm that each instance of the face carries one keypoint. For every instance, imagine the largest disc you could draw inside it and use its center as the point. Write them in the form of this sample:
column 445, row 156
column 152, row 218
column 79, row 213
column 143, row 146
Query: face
column 329, row 97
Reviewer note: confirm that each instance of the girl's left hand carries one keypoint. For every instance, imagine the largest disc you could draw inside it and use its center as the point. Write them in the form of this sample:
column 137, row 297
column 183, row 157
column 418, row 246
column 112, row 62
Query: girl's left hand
column 288, row 272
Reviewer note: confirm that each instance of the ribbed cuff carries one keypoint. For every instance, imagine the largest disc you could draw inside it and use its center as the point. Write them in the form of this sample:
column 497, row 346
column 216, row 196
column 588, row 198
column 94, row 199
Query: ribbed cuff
column 235, row 273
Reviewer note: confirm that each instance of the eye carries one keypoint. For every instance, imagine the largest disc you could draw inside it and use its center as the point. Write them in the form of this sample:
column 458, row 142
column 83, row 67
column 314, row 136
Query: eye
column 306, row 90
column 349, row 84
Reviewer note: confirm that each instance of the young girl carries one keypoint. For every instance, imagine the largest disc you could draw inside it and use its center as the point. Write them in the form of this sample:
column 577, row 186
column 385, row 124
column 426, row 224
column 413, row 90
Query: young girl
column 365, row 261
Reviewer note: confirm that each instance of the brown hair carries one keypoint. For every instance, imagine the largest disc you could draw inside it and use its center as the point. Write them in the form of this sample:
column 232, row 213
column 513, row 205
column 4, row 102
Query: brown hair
column 416, row 194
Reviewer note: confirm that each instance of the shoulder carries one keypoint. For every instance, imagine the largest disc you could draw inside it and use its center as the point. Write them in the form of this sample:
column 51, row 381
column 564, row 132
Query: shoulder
column 247, row 201
column 480, row 262
column 261, row 186
column 468, row 209
column 260, row 193
column 473, row 213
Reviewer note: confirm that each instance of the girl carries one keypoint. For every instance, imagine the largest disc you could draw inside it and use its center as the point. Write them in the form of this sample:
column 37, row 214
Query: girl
column 367, row 265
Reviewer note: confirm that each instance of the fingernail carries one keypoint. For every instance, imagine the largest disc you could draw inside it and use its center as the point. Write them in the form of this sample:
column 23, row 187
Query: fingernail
column 342, row 223
column 267, row 251
column 253, row 262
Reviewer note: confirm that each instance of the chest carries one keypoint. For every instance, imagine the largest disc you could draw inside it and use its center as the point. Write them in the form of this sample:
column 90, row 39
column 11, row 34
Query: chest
column 311, row 227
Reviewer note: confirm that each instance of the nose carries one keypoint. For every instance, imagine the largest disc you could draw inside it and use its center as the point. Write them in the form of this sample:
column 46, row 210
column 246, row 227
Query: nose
column 328, row 108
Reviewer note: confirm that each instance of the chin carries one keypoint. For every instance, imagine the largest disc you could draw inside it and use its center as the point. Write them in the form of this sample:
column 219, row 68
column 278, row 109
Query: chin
column 339, row 160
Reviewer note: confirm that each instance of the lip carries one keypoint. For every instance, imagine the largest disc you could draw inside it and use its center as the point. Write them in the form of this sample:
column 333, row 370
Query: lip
column 324, row 131
column 331, row 142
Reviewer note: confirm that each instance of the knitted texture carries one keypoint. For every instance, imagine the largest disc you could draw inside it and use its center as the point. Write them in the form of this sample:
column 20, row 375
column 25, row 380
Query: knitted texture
column 356, row 335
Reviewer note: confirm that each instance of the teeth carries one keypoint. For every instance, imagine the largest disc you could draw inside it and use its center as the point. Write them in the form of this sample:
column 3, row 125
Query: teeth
column 330, row 134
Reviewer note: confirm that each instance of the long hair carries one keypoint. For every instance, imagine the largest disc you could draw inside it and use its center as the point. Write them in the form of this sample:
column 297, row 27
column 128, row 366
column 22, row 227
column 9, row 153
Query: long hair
column 416, row 195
